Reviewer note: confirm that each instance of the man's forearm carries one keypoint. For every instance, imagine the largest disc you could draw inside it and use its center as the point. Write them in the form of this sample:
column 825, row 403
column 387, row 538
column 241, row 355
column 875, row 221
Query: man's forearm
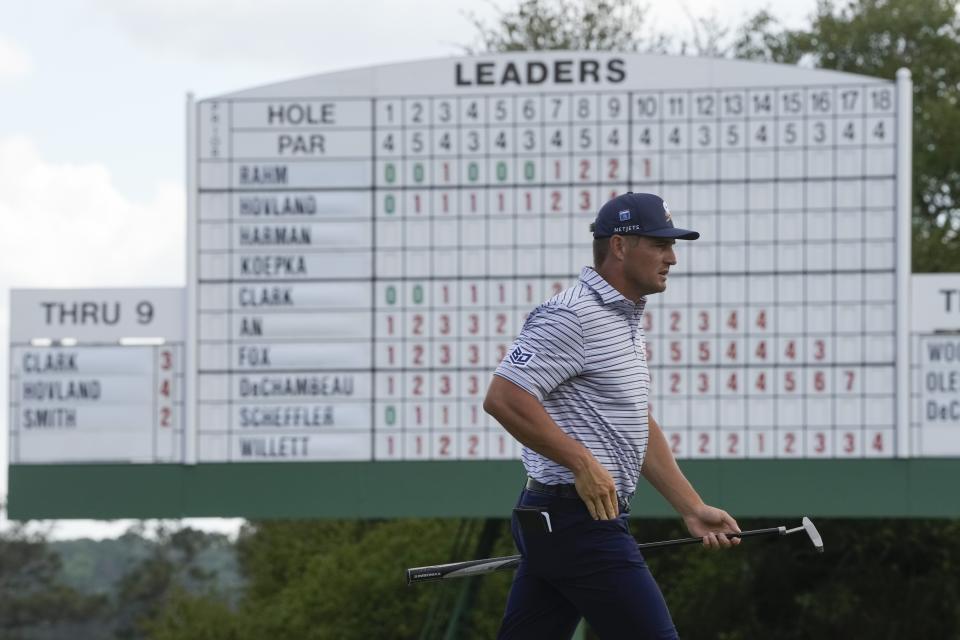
column 527, row 421
column 661, row 470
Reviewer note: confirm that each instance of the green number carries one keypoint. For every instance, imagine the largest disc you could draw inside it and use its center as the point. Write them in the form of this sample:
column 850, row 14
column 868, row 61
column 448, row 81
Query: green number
column 473, row 172
column 390, row 204
column 501, row 171
column 390, row 172
column 418, row 294
column 391, row 415
column 528, row 170
column 418, row 172
column 391, row 295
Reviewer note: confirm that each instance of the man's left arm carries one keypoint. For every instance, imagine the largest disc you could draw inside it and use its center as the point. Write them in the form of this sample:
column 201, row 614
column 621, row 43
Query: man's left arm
column 661, row 470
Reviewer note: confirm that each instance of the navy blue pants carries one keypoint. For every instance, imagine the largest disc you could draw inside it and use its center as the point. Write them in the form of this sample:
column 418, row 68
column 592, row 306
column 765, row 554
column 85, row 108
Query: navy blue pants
column 586, row 567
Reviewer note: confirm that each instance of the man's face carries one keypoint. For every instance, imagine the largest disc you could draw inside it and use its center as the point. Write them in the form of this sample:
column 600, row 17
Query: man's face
column 646, row 262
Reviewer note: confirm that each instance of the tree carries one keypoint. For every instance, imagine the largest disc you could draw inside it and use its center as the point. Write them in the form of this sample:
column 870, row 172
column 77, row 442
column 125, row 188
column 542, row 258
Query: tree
column 877, row 37
column 32, row 593
column 598, row 25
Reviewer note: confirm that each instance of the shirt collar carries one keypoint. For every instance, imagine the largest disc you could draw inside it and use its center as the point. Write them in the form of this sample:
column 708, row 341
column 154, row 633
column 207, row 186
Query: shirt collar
column 608, row 294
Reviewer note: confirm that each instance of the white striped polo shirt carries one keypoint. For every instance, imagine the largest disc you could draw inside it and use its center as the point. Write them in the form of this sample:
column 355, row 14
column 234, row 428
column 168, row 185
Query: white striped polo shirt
column 582, row 355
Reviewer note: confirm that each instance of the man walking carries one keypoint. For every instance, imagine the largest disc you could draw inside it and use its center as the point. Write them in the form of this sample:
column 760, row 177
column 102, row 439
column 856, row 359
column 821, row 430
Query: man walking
column 574, row 391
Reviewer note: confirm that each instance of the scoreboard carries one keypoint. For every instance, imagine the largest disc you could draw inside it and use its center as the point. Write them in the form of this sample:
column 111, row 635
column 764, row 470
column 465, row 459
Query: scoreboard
column 96, row 375
column 363, row 247
column 366, row 245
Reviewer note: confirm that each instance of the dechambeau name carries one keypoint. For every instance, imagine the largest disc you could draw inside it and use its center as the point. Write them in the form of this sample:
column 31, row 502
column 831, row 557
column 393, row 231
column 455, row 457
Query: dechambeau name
column 295, row 386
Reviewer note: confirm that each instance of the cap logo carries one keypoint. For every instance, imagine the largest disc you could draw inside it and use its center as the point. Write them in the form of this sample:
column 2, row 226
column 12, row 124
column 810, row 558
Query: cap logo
column 520, row 357
column 666, row 213
column 624, row 215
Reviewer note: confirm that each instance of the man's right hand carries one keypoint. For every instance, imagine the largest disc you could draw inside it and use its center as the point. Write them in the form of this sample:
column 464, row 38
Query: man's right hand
column 597, row 490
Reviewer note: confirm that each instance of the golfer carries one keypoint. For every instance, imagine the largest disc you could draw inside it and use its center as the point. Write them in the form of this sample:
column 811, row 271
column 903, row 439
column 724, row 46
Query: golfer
column 573, row 389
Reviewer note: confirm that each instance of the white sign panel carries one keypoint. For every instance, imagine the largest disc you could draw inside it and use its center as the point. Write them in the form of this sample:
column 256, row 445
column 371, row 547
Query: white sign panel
column 96, row 376
column 392, row 226
column 935, row 360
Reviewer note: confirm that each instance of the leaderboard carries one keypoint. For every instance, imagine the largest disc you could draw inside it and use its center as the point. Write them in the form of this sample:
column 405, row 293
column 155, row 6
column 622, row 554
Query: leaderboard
column 368, row 243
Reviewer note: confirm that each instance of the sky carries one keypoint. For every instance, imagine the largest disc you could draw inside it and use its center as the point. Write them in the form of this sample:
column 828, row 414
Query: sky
column 92, row 126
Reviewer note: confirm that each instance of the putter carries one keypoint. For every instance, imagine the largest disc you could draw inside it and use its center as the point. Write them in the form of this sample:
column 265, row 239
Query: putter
column 433, row 573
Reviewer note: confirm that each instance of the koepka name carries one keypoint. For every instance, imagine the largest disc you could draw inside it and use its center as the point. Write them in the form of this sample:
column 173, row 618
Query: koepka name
column 534, row 72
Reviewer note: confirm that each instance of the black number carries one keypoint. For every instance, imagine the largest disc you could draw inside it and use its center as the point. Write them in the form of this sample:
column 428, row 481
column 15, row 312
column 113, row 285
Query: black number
column 557, row 103
column 501, row 140
column 529, row 109
column 705, row 105
column 500, row 112
column 676, row 105
column 583, row 108
column 849, row 98
column 417, row 109
column 734, row 104
column 613, row 107
column 529, row 140
column 144, row 312
column 614, row 138
column 473, row 111
column 417, row 145
column 878, row 131
column 792, row 102
column 761, row 135
column 645, row 138
column 445, row 112
column 388, row 142
column 881, row 99
column 762, row 103
column 820, row 101
column 585, row 139
column 704, row 138
column 733, row 135
column 647, row 107
column 474, row 143
column 850, row 131
column 445, row 141
column 790, row 133
column 556, row 139
column 674, row 136
column 820, row 132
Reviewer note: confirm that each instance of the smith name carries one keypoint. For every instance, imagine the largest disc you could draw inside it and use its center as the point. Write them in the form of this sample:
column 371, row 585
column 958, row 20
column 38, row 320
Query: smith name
column 585, row 71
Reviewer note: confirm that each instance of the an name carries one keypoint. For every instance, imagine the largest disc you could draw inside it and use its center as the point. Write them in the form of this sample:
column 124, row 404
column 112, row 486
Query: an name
column 585, row 71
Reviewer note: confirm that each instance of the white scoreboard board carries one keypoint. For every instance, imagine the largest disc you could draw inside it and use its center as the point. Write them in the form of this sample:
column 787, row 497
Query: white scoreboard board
column 96, row 375
column 365, row 245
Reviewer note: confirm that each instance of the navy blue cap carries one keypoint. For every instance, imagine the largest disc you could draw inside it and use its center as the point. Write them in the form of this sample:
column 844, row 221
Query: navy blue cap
column 638, row 214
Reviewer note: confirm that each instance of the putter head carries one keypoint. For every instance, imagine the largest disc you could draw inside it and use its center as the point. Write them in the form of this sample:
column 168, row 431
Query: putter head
column 813, row 533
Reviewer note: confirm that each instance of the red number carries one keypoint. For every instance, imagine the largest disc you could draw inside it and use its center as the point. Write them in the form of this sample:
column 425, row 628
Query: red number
column 675, row 353
column 848, row 443
column 418, row 386
column 585, row 201
column 418, row 354
column 165, row 388
column 474, row 354
column 166, row 359
column 762, row 320
column 444, row 445
column 704, row 352
column 850, row 376
column 704, row 385
column 390, row 354
column 390, row 385
column 444, row 354
column 821, row 443
column 704, row 321
column 390, row 450
column 474, row 386
column 761, row 443
column 389, row 325
column 446, row 294
column 503, row 445
column 674, row 383
column 789, row 381
column 444, row 324
column 501, row 323
column 761, row 384
column 445, row 198
column 417, row 324
column 704, row 443
column 419, row 411
column 819, row 381
column 446, row 172
column 584, row 170
column 674, row 321
column 732, row 351
column 474, row 443
column 473, row 326
column 761, row 351
column 646, row 167
column 473, row 293
column 675, row 443
column 529, row 293
column 502, row 290
column 500, row 201
column 791, row 351
column 732, row 320
column 446, row 414
column 555, row 201
column 474, row 414
column 878, row 443
column 528, row 198
column 790, row 441
column 556, row 169
column 473, row 202
column 613, row 169
column 416, row 203
column 732, row 382
column 819, row 350
column 733, row 441
column 165, row 416
column 445, row 386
